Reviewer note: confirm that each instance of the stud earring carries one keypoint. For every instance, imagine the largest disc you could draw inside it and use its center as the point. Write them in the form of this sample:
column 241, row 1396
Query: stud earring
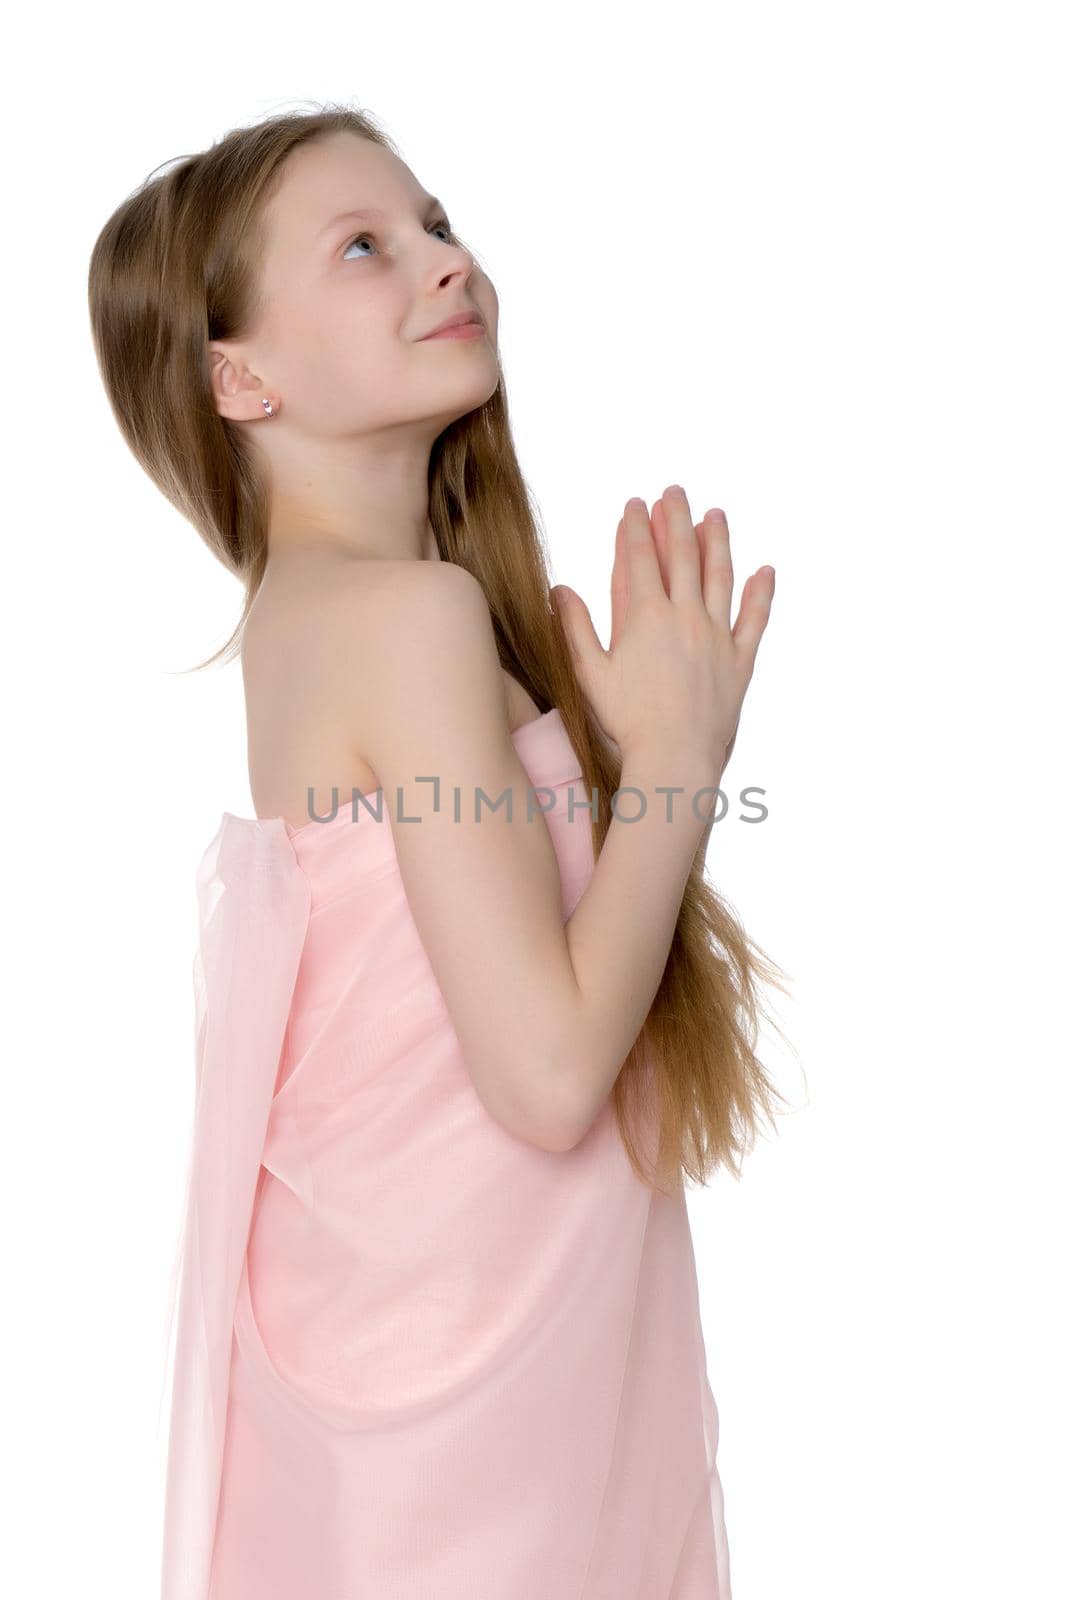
column 268, row 408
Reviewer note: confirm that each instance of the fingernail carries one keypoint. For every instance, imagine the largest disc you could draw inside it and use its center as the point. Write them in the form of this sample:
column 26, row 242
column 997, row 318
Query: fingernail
column 716, row 515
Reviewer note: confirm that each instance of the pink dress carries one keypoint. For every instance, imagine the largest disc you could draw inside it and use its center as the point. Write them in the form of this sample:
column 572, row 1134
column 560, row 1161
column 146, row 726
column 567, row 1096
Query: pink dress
column 416, row 1358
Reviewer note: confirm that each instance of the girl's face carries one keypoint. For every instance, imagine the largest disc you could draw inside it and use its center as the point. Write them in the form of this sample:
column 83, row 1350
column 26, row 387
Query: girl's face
column 347, row 298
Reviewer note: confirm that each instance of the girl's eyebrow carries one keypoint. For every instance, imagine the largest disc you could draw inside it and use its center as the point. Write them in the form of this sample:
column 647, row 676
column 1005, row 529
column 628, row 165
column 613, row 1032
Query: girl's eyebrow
column 372, row 213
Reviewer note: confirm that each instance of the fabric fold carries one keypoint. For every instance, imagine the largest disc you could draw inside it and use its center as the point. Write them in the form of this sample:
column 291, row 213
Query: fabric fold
column 254, row 905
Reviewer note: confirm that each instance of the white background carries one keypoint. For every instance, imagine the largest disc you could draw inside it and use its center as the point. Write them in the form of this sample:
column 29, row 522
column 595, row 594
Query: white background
column 805, row 260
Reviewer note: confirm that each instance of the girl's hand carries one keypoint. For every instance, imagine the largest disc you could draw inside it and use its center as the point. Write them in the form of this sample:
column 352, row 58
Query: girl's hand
column 675, row 673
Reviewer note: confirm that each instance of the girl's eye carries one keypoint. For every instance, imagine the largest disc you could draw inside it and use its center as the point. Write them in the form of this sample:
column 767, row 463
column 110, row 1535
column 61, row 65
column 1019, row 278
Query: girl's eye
column 441, row 223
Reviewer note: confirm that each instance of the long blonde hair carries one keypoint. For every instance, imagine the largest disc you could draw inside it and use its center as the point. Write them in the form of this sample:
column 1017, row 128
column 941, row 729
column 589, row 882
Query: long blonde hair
column 175, row 266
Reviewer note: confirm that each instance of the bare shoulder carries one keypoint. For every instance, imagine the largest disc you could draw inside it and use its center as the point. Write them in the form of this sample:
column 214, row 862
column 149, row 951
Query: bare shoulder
column 391, row 588
column 401, row 632
column 320, row 649
column 348, row 661
column 373, row 604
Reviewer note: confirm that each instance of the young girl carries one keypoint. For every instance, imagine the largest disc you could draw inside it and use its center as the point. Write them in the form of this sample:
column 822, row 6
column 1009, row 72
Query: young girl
column 467, row 1008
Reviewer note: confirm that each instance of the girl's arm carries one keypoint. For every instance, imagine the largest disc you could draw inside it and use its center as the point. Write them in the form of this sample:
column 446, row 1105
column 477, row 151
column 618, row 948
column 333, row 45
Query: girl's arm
column 545, row 1011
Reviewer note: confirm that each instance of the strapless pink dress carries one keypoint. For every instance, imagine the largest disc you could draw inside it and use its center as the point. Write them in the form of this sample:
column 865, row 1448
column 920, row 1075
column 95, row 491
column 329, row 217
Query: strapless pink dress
column 416, row 1358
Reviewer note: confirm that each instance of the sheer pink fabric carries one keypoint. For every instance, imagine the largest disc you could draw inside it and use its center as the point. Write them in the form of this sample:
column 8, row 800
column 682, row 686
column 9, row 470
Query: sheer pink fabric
column 416, row 1357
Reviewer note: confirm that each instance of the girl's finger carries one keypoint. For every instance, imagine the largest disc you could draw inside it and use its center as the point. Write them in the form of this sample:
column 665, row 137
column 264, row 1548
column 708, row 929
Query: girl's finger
column 718, row 580
column 755, row 610
column 659, row 536
column 642, row 563
column 683, row 552
column 619, row 586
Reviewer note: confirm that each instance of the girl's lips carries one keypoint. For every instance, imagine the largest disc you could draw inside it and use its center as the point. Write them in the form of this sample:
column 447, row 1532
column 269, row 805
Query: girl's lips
column 466, row 330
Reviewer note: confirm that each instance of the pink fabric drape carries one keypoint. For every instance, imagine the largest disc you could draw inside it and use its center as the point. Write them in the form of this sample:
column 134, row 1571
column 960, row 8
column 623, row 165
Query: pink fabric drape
column 477, row 1367
column 254, row 903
